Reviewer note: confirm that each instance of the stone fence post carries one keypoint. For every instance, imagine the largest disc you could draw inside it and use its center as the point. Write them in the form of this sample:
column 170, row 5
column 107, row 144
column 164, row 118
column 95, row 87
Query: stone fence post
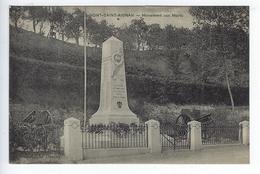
column 154, row 140
column 72, row 139
column 244, row 132
column 194, row 135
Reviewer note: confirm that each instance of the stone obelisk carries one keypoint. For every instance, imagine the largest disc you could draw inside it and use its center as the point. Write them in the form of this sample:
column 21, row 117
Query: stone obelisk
column 113, row 106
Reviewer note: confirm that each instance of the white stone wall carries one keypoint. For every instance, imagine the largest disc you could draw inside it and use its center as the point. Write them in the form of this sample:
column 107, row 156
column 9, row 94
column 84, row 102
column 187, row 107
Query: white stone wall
column 154, row 137
column 195, row 135
column 72, row 139
column 244, row 132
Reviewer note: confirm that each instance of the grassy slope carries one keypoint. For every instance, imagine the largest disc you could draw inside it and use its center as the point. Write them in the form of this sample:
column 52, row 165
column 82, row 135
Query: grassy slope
column 49, row 72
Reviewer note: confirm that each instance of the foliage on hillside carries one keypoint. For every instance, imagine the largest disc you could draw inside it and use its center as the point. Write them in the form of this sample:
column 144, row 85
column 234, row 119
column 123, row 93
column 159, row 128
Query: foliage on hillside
column 38, row 75
column 215, row 51
column 163, row 113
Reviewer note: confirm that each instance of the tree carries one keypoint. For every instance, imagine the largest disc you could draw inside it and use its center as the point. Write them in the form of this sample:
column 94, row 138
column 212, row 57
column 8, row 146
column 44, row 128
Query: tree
column 58, row 18
column 128, row 37
column 168, row 36
column 38, row 15
column 139, row 27
column 74, row 26
column 176, row 37
column 223, row 20
column 16, row 13
column 154, row 36
column 222, row 17
column 99, row 32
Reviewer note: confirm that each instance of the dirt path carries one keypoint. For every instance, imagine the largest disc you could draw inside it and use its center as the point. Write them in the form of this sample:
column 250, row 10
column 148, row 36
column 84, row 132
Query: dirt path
column 226, row 154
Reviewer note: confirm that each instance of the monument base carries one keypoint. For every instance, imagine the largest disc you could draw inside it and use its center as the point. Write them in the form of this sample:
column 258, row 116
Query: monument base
column 107, row 118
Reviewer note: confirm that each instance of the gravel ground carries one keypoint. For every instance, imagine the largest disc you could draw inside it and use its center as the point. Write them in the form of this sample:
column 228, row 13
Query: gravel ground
column 224, row 154
column 221, row 154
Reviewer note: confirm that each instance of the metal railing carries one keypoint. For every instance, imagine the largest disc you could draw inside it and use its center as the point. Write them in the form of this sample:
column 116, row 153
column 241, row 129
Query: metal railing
column 27, row 140
column 114, row 136
column 220, row 133
column 174, row 136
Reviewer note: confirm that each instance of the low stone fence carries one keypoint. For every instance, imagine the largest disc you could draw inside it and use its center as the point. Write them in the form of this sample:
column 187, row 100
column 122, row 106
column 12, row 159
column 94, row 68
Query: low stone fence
column 74, row 140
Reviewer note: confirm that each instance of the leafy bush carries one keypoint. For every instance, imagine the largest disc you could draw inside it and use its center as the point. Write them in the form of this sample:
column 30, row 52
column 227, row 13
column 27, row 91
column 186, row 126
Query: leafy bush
column 33, row 139
column 120, row 129
column 169, row 113
column 164, row 114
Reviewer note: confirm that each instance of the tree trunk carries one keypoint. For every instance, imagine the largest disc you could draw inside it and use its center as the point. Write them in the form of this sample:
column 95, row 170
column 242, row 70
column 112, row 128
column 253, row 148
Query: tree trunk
column 226, row 72
column 138, row 45
column 228, row 86
column 41, row 26
column 62, row 28
column 77, row 40
column 229, row 91
column 16, row 25
column 62, row 36
column 34, row 26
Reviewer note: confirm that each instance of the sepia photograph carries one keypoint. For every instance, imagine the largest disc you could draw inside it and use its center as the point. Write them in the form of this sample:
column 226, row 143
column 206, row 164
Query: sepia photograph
column 129, row 85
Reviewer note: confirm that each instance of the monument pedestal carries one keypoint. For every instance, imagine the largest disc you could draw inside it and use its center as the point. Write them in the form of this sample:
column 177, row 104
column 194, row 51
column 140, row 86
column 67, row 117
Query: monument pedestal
column 113, row 106
column 110, row 117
